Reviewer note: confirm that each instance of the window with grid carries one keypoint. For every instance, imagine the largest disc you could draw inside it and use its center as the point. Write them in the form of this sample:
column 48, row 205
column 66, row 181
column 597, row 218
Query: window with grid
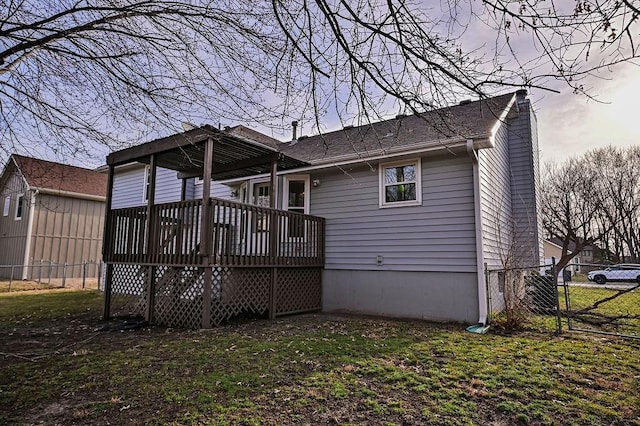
column 400, row 184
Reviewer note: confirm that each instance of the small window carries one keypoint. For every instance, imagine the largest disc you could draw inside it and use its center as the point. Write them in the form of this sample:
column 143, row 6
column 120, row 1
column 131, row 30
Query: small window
column 19, row 206
column 145, row 187
column 262, row 198
column 7, row 204
column 400, row 184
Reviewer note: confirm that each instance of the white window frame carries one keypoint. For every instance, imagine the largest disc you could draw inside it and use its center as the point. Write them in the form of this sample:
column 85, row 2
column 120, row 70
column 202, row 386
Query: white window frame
column 285, row 200
column 145, row 183
column 382, row 185
column 307, row 191
column 6, row 208
column 19, row 201
column 250, row 200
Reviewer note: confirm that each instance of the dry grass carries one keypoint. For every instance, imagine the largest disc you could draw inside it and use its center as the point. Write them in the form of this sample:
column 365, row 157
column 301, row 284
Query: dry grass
column 307, row 369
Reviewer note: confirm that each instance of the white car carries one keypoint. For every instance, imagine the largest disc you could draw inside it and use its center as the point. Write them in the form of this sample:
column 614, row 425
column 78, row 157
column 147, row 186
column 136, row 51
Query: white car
column 627, row 272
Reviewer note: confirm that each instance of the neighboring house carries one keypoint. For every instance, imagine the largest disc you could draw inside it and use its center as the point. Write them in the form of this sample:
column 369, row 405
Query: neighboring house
column 552, row 250
column 412, row 207
column 52, row 214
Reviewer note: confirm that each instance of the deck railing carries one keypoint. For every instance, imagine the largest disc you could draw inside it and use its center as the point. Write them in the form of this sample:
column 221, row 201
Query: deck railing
column 240, row 235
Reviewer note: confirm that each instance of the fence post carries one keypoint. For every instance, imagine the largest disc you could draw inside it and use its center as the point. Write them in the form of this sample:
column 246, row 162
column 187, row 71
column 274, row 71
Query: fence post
column 99, row 274
column 11, row 277
column 40, row 272
column 84, row 274
column 64, row 275
column 567, row 303
column 554, row 274
column 50, row 271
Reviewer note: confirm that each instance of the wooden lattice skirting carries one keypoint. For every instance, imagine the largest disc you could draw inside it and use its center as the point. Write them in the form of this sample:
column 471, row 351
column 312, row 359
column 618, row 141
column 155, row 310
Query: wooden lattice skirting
column 178, row 293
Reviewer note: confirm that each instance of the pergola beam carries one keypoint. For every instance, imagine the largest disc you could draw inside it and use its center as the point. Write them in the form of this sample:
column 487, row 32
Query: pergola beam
column 159, row 146
column 246, row 163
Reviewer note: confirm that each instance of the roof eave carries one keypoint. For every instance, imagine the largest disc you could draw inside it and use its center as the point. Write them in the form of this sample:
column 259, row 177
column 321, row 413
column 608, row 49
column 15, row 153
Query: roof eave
column 480, row 141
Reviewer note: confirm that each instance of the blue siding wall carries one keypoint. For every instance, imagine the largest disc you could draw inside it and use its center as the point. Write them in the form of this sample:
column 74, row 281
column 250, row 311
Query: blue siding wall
column 509, row 175
column 523, row 155
column 437, row 236
column 128, row 187
column 218, row 190
column 496, row 200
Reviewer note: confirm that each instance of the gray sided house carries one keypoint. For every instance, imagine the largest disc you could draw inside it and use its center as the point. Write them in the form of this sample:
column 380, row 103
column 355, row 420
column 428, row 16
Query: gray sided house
column 52, row 214
column 409, row 209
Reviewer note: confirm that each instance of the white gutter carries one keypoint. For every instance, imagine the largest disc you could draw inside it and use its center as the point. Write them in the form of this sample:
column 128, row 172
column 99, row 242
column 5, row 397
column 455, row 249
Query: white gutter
column 27, row 245
column 482, row 286
column 71, row 194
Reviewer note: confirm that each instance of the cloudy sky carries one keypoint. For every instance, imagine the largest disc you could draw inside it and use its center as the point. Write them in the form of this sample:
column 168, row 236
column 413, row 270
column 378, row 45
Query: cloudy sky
column 571, row 124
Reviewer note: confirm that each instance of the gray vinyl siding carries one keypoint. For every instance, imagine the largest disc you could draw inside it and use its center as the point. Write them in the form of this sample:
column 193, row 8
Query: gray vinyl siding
column 13, row 232
column 128, row 187
column 66, row 230
column 496, row 200
column 523, row 153
column 218, row 190
column 439, row 235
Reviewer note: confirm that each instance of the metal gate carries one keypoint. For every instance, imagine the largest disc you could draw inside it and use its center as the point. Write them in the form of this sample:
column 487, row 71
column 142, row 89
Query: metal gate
column 602, row 298
column 581, row 297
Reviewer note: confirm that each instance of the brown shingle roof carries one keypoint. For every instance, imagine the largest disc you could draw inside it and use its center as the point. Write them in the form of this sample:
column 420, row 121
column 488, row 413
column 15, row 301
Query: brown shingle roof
column 460, row 122
column 61, row 177
column 255, row 135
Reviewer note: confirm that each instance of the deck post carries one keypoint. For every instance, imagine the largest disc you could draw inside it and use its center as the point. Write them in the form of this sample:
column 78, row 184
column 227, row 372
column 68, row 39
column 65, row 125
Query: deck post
column 273, row 240
column 151, row 237
column 205, row 234
column 107, row 246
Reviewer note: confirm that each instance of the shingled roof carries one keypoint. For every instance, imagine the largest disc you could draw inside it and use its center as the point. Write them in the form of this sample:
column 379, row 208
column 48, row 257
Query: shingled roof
column 472, row 120
column 44, row 174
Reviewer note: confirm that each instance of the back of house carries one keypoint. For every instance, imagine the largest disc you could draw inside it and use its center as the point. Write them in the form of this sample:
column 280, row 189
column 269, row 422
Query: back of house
column 414, row 206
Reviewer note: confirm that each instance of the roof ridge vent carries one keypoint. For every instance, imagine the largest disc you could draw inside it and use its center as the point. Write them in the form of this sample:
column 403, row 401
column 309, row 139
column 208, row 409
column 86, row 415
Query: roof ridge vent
column 465, row 102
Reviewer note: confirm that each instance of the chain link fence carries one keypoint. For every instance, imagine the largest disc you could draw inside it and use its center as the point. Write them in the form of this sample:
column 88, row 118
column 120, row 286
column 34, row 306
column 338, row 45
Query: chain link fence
column 43, row 274
column 523, row 297
column 602, row 298
column 584, row 297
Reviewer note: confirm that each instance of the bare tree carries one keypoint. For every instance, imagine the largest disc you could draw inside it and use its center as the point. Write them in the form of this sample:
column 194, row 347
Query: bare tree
column 618, row 187
column 570, row 207
column 118, row 71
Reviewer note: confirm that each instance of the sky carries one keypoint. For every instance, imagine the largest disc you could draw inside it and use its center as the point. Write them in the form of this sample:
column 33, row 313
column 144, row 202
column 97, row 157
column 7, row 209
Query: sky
column 570, row 124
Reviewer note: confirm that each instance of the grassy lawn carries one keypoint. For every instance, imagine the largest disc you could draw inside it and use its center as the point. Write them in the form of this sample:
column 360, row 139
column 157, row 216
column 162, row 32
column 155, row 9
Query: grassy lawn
column 308, row 369
column 624, row 307
column 26, row 285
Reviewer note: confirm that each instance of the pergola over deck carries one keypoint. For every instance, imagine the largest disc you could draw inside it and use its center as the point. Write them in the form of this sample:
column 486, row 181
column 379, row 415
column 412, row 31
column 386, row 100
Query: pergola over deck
column 197, row 263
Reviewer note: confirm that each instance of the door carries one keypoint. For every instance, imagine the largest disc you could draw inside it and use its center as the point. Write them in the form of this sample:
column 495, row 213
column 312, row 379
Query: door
column 257, row 222
column 296, row 200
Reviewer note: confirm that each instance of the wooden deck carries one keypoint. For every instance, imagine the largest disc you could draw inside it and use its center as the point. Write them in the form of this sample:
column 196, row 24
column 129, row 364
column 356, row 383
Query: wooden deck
column 261, row 261
column 240, row 235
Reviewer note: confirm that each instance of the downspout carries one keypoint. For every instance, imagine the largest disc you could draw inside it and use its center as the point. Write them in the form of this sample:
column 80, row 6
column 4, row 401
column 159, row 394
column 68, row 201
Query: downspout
column 482, row 288
column 27, row 245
